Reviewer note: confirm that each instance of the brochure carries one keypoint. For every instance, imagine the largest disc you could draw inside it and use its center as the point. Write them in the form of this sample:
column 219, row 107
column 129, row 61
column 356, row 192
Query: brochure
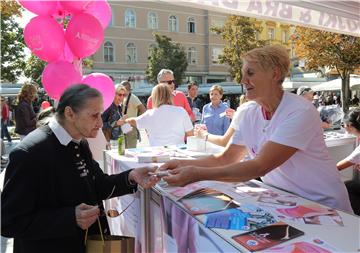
column 180, row 192
column 315, row 245
column 249, row 189
column 268, row 236
column 246, row 217
column 277, row 199
column 308, row 214
column 303, row 211
column 207, row 200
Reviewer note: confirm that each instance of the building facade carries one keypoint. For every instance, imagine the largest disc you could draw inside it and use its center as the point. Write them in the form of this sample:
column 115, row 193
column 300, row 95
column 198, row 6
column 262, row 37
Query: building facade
column 129, row 39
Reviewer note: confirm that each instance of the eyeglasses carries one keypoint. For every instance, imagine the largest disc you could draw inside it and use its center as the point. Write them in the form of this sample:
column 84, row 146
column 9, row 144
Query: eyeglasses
column 120, row 94
column 169, row 82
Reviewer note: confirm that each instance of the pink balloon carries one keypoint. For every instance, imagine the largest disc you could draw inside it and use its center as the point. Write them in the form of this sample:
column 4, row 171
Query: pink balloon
column 102, row 11
column 45, row 38
column 76, row 6
column 42, row 8
column 66, row 55
column 57, row 76
column 84, row 35
column 102, row 83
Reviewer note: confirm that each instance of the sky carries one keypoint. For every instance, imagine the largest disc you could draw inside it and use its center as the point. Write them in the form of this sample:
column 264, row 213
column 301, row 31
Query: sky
column 26, row 16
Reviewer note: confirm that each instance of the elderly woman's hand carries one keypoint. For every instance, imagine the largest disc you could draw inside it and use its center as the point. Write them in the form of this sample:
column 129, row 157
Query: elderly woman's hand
column 86, row 215
column 141, row 176
column 182, row 176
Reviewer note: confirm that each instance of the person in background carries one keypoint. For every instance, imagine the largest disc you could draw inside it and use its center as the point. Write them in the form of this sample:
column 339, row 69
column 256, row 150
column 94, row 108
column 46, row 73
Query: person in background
column 355, row 100
column 53, row 189
column 166, row 124
column 307, row 93
column 25, row 117
column 194, row 101
column 5, row 113
column 132, row 107
column 213, row 114
column 166, row 76
column 113, row 117
column 352, row 126
column 243, row 99
column 281, row 133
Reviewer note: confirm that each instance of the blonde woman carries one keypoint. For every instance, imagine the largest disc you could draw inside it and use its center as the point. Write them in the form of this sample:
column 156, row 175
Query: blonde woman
column 25, row 117
column 281, row 133
column 166, row 124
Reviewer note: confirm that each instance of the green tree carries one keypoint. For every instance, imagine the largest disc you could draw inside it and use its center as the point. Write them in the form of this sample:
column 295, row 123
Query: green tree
column 326, row 49
column 12, row 42
column 166, row 55
column 34, row 68
column 240, row 36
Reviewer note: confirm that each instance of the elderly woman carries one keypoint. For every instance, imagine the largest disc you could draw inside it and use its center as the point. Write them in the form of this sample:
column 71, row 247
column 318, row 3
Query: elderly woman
column 25, row 117
column 213, row 114
column 113, row 117
column 53, row 188
column 166, row 124
column 282, row 134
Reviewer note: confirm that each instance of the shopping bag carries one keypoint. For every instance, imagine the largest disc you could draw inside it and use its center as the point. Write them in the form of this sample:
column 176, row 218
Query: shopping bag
column 110, row 244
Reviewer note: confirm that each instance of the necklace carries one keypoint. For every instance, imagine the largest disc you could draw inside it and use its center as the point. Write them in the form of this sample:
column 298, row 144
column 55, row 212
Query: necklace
column 267, row 118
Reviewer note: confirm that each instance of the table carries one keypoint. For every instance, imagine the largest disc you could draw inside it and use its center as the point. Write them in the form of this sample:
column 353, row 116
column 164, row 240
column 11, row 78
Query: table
column 154, row 232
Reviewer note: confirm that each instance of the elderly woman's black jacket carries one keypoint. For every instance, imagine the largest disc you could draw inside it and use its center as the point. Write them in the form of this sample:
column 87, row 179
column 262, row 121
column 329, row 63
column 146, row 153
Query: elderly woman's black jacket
column 44, row 182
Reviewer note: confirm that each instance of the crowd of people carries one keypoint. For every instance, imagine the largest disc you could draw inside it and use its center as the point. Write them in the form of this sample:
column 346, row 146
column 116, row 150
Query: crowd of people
column 273, row 135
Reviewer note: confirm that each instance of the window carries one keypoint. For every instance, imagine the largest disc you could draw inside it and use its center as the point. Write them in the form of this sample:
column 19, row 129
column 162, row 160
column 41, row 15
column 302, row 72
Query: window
column 271, row 33
column 108, row 52
column 191, row 55
column 191, row 25
column 284, row 36
column 216, row 52
column 130, row 19
column 152, row 20
column 173, row 24
column 130, row 53
column 151, row 47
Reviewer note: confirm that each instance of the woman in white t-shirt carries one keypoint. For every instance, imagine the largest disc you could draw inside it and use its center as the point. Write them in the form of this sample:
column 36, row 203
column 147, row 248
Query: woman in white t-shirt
column 281, row 133
column 165, row 124
column 352, row 126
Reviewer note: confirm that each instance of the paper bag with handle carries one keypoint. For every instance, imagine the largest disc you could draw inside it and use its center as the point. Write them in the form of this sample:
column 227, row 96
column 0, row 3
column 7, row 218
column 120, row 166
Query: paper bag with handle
column 109, row 243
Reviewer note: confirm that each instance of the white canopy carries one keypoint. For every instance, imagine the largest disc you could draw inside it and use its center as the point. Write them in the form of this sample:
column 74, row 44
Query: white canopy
column 339, row 16
column 336, row 84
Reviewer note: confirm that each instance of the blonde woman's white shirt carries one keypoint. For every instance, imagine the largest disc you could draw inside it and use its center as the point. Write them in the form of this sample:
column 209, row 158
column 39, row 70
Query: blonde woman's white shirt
column 310, row 172
column 165, row 125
